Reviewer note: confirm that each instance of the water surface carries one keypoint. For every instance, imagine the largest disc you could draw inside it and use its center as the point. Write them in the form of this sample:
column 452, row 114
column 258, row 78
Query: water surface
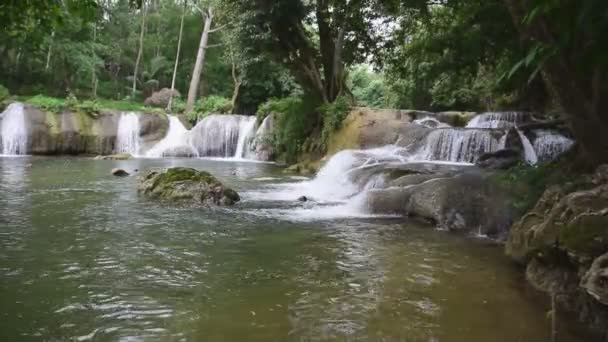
column 83, row 257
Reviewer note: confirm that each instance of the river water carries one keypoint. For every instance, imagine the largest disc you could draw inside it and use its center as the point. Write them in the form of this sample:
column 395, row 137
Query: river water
column 83, row 257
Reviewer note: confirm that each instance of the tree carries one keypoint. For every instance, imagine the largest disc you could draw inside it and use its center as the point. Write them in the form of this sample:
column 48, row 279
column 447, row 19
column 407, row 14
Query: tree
column 567, row 41
column 314, row 39
column 179, row 46
column 208, row 15
column 142, row 32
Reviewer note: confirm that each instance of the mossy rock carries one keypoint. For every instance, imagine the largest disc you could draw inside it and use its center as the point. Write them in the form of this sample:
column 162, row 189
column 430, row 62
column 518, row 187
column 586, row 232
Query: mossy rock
column 586, row 236
column 187, row 184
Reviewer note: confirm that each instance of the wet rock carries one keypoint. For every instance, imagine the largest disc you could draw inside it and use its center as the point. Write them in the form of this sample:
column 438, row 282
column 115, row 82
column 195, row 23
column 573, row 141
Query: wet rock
column 368, row 128
column 564, row 220
column 187, row 184
column 71, row 133
column 464, row 202
column 563, row 241
column 500, row 160
column 119, row 173
column 161, row 98
column 120, row 156
column 595, row 281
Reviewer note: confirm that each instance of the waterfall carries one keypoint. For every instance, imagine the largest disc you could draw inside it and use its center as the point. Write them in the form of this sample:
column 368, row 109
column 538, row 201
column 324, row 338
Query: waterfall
column 246, row 134
column 14, row 131
column 175, row 144
column 502, row 143
column 529, row 152
column 498, row 120
column 548, row 145
column 127, row 137
column 225, row 136
column 457, row 145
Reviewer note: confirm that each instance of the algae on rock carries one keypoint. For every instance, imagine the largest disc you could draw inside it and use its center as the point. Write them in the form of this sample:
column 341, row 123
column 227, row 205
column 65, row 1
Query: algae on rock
column 187, row 184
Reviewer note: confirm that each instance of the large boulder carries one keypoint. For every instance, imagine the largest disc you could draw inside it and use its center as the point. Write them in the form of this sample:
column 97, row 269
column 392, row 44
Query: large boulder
column 595, row 281
column 500, row 160
column 187, row 184
column 368, row 128
column 161, row 98
column 564, row 221
column 466, row 202
column 563, row 242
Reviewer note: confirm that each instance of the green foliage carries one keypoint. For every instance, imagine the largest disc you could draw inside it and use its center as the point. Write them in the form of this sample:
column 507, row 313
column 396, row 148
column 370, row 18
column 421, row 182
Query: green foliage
column 526, row 184
column 367, row 87
column 293, row 124
column 4, row 93
column 209, row 105
column 454, row 56
column 91, row 107
column 333, row 115
column 47, row 103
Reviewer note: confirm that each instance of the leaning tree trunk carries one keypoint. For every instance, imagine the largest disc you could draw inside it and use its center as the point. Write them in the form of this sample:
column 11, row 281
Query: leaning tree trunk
column 200, row 61
column 237, row 80
column 583, row 96
column 179, row 46
column 141, row 48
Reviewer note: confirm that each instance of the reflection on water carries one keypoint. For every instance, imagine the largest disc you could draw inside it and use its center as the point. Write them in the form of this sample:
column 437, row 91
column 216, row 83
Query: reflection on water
column 83, row 257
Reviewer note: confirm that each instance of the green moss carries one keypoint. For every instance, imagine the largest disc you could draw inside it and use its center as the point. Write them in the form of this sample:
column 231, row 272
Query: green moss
column 51, row 121
column 179, row 174
column 588, row 236
column 85, row 123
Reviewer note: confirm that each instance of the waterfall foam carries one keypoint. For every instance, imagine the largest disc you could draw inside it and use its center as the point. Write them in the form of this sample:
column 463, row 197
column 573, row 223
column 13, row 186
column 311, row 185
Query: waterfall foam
column 549, row 144
column 127, row 136
column 13, row 131
column 222, row 135
column 498, row 120
column 177, row 142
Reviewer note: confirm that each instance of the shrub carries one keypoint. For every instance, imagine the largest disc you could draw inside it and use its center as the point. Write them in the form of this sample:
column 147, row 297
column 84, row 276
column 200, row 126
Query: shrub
column 295, row 121
column 333, row 115
column 51, row 104
column 4, row 93
column 209, row 105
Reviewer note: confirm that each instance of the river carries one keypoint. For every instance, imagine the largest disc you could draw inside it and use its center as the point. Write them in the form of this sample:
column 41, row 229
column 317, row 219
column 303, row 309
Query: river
column 83, row 257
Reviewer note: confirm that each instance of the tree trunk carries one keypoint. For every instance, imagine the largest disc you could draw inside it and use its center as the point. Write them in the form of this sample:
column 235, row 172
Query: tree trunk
column 582, row 96
column 200, row 61
column 237, row 87
column 93, row 71
column 50, row 52
column 141, row 48
column 179, row 46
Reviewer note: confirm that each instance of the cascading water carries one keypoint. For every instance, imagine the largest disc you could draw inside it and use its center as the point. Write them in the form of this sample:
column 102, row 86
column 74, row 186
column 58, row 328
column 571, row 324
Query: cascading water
column 246, row 134
column 549, row 144
column 175, row 144
column 224, row 136
column 14, row 132
column 498, row 120
column 127, row 137
column 529, row 152
column 457, row 145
